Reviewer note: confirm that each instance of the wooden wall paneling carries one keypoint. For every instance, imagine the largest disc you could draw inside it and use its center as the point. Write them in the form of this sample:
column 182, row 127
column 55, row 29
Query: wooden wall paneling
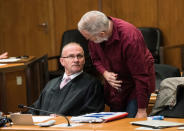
column 67, row 13
column 137, row 12
column 75, row 9
column 173, row 57
column 60, row 22
column 107, row 7
column 52, row 64
column 22, row 23
column 27, row 27
column 38, row 28
column 171, row 19
column 12, row 26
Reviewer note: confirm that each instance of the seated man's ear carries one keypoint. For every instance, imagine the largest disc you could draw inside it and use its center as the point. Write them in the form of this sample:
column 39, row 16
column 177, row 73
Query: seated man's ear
column 62, row 61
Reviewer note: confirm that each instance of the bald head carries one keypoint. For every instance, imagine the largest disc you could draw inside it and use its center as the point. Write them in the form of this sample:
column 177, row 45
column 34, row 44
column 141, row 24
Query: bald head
column 69, row 45
column 72, row 58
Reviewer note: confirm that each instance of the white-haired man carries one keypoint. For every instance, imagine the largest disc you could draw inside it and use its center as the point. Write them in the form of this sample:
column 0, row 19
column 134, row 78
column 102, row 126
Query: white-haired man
column 119, row 53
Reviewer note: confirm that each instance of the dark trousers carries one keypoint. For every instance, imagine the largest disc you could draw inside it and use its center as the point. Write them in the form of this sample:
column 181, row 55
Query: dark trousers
column 131, row 108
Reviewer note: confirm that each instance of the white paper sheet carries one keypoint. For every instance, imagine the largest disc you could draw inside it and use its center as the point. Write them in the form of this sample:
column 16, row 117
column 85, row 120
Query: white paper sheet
column 41, row 118
column 145, row 128
column 9, row 60
column 181, row 128
column 2, row 64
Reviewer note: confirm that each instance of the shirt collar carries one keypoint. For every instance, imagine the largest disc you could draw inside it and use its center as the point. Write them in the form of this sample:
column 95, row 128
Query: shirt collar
column 115, row 35
column 73, row 75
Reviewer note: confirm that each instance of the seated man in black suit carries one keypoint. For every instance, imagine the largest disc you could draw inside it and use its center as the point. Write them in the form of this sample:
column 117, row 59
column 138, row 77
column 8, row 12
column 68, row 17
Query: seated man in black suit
column 81, row 94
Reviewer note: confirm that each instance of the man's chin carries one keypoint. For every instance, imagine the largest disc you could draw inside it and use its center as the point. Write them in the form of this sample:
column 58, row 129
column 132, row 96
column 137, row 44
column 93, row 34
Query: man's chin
column 97, row 42
column 75, row 70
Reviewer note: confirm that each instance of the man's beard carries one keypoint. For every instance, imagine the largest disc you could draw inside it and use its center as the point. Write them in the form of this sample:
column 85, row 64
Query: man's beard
column 100, row 39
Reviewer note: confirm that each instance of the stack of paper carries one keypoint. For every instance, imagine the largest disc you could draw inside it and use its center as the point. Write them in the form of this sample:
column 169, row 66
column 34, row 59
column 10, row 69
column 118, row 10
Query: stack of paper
column 9, row 60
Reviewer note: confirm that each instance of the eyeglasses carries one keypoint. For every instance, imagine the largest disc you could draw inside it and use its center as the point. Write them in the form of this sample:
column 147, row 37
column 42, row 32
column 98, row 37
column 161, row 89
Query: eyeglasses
column 72, row 57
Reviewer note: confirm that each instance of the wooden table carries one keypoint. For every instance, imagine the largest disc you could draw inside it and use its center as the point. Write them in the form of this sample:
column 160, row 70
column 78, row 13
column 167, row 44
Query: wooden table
column 117, row 125
column 151, row 102
column 21, row 82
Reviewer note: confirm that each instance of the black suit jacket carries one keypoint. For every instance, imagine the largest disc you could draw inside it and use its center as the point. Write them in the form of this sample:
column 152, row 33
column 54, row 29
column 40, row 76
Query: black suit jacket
column 163, row 71
column 83, row 94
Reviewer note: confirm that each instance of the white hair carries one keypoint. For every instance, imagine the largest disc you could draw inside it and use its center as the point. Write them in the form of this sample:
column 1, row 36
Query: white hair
column 93, row 22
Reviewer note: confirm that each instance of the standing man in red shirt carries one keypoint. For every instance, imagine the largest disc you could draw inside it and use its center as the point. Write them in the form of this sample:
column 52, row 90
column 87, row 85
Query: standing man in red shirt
column 119, row 53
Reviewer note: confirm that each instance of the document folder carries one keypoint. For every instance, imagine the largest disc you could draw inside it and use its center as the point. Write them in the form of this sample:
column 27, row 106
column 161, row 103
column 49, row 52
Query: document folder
column 157, row 124
column 99, row 117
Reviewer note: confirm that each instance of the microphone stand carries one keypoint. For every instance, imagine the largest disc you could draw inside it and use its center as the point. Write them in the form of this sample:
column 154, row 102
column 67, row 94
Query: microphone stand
column 23, row 106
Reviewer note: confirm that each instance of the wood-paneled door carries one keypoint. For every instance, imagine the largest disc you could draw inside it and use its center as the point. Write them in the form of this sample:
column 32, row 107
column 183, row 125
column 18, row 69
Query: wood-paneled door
column 26, row 27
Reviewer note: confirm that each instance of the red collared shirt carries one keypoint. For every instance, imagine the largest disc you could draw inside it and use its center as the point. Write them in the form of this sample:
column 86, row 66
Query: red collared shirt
column 126, row 54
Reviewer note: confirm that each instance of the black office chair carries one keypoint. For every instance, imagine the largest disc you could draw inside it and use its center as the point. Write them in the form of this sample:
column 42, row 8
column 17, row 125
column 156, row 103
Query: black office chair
column 74, row 36
column 152, row 37
column 163, row 71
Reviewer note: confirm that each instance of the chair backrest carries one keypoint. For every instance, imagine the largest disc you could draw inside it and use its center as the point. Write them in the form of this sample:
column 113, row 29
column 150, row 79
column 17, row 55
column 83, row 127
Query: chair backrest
column 75, row 36
column 163, row 71
column 152, row 37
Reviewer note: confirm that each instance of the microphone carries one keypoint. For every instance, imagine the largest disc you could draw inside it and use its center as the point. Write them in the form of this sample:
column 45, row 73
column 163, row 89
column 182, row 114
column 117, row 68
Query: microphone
column 31, row 108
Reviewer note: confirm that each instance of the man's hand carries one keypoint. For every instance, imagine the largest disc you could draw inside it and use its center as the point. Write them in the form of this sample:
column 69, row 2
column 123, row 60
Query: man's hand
column 112, row 79
column 141, row 113
column 4, row 55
